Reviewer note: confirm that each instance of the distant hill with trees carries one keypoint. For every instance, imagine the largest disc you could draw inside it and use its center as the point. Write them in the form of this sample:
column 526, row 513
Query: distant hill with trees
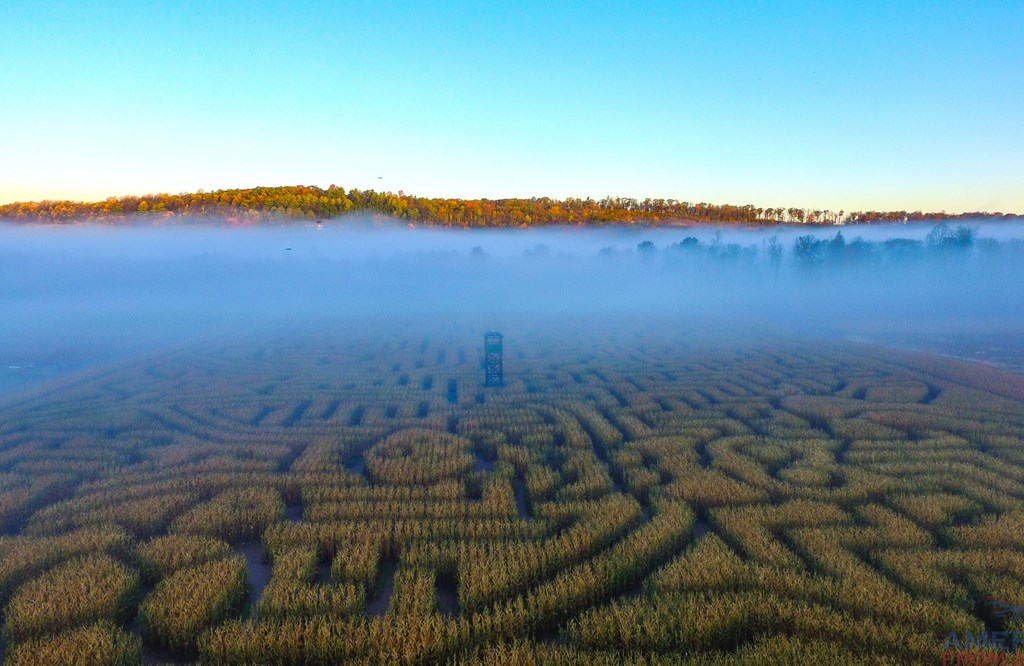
column 299, row 202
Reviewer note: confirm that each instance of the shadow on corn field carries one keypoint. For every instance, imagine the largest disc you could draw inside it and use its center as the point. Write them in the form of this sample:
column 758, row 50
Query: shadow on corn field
column 383, row 588
column 258, row 572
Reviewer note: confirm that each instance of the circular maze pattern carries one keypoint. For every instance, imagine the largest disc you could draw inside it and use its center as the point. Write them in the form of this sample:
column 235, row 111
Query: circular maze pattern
column 647, row 496
column 418, row 457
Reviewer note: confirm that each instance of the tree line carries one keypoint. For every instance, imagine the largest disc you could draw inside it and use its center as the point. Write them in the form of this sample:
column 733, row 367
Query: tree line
column 810, row 251
column 300, row 202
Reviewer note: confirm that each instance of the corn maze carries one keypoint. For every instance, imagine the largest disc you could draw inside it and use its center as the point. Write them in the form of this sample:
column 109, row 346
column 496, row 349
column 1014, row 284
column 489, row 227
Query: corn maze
column 641, row 498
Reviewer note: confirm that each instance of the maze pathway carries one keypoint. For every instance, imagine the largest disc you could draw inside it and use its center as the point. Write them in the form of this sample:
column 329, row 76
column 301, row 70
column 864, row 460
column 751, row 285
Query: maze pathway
column 363, row 497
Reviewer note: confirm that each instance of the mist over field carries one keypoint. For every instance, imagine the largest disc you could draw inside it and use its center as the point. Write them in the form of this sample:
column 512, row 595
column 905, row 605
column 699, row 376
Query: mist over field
column 225, row 442
column 82, row 295
column 698, row 338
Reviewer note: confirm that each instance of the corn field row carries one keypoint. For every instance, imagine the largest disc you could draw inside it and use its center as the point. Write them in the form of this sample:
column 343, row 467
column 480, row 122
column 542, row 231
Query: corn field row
column 641, row 502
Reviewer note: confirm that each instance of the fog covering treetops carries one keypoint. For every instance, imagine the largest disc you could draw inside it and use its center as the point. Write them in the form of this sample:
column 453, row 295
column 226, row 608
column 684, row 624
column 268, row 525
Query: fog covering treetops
column 265, row 204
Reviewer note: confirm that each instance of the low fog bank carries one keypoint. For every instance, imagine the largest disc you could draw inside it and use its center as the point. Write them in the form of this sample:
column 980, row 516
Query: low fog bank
column 82, row 295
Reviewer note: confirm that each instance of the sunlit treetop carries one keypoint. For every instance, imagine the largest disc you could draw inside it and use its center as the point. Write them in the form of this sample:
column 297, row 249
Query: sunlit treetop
column 262, row 204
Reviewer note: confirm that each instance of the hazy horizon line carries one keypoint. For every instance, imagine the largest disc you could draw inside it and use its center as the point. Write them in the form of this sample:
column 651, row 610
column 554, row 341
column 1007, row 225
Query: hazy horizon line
column 607, row 197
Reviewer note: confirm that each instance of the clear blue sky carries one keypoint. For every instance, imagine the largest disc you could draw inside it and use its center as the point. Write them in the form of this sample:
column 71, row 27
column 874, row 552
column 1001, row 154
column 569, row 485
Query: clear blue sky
column 845, row 105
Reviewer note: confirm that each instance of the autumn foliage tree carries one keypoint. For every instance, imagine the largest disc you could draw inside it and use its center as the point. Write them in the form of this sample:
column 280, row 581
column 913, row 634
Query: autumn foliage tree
column 301, row 202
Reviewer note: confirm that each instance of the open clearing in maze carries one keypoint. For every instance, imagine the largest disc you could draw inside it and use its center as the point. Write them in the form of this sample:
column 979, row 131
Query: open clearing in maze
column 644, row 496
